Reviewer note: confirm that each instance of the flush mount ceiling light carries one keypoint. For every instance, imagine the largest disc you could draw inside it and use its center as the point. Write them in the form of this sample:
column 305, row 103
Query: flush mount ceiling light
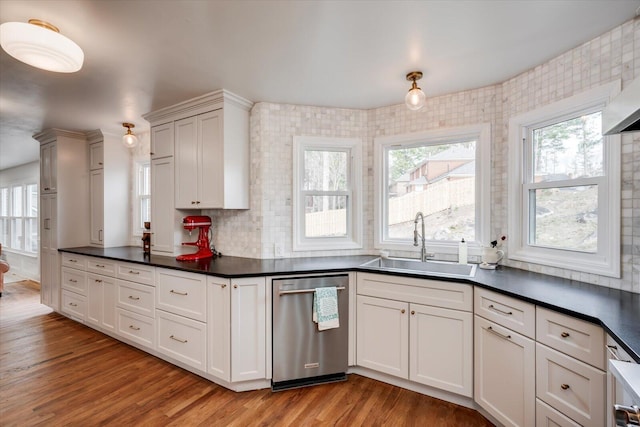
column 41, row 45
column 415, row 98
column 129, row 139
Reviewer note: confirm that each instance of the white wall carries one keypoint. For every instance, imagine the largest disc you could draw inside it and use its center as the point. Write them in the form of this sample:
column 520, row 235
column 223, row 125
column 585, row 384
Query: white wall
column 23, row 265
column 612, row 56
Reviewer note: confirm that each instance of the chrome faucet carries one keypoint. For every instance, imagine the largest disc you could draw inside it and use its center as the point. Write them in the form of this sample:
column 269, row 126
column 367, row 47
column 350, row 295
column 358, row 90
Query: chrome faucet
column 423, row 251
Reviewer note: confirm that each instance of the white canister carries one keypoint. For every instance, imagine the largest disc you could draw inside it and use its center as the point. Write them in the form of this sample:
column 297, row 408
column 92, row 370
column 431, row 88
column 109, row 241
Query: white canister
column 491, row 255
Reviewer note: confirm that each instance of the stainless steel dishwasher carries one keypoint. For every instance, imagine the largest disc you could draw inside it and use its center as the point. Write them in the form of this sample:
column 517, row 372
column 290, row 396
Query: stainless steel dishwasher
column 302, row 355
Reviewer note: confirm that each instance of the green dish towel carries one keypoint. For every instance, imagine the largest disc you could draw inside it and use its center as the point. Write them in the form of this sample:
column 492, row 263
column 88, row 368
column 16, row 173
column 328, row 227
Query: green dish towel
column 325, row 308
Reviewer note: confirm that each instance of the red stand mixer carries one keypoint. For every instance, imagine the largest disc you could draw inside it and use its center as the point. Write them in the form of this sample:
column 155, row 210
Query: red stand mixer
column 203, row 223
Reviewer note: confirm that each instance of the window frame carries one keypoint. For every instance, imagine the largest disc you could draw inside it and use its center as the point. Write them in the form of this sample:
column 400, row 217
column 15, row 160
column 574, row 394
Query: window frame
column 353, row 238
column 10, row 218
column 479, row 132
column 606, row 260
column 138, row 197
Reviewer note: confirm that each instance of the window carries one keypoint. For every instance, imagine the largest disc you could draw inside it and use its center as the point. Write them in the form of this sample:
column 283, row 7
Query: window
column 327, row 196
column 19, row 217
column 445, row 175
column 566, row 186
column 142, row 210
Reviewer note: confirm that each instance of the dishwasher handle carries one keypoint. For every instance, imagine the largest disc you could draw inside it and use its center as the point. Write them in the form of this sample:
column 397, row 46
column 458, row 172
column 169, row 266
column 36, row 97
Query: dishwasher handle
column 306, row 291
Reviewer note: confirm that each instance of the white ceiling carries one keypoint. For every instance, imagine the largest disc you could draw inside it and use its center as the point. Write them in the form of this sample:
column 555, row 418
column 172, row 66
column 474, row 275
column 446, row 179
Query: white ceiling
column 142, row 55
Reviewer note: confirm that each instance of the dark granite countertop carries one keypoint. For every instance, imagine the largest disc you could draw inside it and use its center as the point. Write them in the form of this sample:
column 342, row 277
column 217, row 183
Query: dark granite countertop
column 617, row 311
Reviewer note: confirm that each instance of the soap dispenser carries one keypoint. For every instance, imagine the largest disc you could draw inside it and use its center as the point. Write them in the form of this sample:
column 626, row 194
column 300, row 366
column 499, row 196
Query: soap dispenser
column 462, row 252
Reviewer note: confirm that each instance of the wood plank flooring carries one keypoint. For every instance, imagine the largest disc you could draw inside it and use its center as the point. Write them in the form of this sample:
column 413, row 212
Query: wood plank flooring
column 54, row 372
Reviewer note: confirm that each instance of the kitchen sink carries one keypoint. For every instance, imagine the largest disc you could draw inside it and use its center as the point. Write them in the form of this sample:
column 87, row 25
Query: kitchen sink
column 435, row 268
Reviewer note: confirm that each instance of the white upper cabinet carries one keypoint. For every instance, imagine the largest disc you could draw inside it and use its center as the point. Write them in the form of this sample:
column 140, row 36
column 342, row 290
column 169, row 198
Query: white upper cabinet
column 48, row 167
column 211, row 149
column 162, row 140
column 109, row 184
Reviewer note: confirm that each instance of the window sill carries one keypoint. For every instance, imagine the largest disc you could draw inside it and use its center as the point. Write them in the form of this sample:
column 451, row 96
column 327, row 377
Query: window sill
column 587, row 263
column 326, row 246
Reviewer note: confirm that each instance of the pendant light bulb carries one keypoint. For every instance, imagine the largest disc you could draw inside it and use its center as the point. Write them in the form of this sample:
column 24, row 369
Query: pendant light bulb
column 415, row 98
column 129, row 139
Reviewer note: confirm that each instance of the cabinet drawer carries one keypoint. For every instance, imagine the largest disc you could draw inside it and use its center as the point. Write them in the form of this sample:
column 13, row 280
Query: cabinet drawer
column 570, row 386
column 546, row 416
column 101, row 266
column 74, row 305
column 74, row 261
column 519, row 316
column 182, row 293
column 182, row 339
column 136, row 297
column 136, row 273
column 457, row 296
column 575, row 337
column 74, row 280
column 137, row 328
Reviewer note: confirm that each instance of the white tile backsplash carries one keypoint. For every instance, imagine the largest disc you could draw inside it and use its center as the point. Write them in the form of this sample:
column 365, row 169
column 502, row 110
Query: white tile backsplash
column 612, row 56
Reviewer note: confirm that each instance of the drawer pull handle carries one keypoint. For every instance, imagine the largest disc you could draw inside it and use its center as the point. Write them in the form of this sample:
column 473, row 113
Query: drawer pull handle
column 564, row 334
column 508, row 313
column 135, row 328
column 73, row 280
column 133, row 272
column 98, row 281
column 565, row 386
column 178, row 339
column 72, row 260
column 179, row 293
column 99, row 266
column 613, row 350
column 493, row 331
column 134, row 298
column 73, row 304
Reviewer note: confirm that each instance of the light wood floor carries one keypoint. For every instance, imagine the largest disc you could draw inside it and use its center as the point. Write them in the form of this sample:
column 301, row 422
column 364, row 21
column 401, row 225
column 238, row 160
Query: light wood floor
column 54, row 371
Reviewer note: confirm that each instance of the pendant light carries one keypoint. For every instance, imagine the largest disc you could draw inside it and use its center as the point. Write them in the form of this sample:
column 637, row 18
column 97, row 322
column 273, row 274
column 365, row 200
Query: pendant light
column 415, row 98
column 129, row 139
column 41, row 45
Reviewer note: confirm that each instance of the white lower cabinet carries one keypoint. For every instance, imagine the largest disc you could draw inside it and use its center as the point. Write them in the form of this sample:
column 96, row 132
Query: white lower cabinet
column 182, row 293
column 504, row 372
column 572, row 387
column 137, row 328
column 546, row 416
column 101, row 301
column 383, row 335
column 219, row 328
column 136, row 297
column 182, row 339
column 248, row 328
column 570, row 367
column 74, row 305
column 426, row 344
column 441, row 348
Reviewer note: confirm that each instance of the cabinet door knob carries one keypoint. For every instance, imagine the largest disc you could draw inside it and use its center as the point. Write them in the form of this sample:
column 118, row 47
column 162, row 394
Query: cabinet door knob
column 235, row 286
column 565, row 386
column 402, row 311
column 223, row 286
column 413, row 312
column 193, row 202
column 564, row 334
